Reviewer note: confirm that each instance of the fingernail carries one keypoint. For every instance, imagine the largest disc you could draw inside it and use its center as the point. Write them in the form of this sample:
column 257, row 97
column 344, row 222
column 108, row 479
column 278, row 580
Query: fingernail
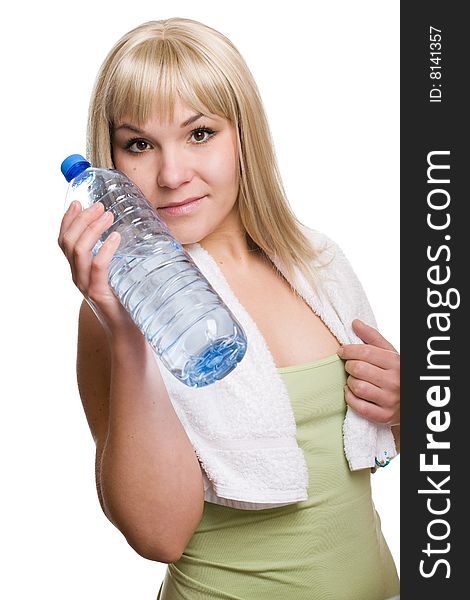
column 72, row 206
column 112, row 236
column 340, row 351
column 105, row 216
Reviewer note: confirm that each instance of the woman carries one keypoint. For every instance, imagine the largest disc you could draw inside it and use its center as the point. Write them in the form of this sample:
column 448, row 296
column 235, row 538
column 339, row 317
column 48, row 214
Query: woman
column 176, row 109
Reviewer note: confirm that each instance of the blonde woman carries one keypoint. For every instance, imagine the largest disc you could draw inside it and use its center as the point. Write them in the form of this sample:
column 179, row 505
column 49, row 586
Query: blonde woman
column 246, row 488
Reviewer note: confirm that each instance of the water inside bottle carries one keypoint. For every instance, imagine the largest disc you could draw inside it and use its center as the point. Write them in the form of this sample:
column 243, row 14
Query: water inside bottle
column 178, row 312
column 188, row 325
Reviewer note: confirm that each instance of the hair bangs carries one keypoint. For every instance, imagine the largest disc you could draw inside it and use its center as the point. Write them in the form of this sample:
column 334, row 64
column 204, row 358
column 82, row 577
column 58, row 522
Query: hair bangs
column 159, row 62
column 148, row 81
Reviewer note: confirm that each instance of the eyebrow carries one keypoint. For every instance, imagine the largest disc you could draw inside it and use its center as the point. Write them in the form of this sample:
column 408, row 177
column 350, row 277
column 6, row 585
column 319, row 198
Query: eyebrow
column 141, row 131
column 191, row 120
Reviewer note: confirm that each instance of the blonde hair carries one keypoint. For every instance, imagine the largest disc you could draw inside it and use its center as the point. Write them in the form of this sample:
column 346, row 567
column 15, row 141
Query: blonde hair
column 161, row 60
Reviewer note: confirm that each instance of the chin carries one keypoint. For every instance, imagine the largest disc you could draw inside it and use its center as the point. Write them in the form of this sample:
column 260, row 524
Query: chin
column 187, row 235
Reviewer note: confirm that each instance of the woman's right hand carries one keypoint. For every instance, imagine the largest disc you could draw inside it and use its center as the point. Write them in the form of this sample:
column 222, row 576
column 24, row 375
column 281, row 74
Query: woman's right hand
column 79, row 232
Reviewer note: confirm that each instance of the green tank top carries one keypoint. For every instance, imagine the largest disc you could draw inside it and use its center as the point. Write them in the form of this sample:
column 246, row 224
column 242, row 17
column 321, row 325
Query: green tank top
column 329, row 547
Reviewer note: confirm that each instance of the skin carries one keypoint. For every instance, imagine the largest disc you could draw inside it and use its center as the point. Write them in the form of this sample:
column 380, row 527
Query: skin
column 170, row 163
column 373, row 385
column 166, row 168
column 148, row 477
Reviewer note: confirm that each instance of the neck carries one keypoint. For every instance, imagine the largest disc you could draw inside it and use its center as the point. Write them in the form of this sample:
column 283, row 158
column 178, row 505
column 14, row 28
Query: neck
column 228, row 245
column 229, row 248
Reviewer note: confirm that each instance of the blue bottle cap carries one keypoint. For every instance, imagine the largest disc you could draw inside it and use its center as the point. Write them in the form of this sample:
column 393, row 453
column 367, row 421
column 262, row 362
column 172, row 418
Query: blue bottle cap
column 73, row 165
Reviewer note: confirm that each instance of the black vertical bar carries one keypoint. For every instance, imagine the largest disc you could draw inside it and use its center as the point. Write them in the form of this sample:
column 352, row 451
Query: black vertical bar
column 434, row 299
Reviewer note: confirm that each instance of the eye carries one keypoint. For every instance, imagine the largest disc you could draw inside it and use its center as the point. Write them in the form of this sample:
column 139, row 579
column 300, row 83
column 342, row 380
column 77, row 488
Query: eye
column 201, row 135
column 137, row 146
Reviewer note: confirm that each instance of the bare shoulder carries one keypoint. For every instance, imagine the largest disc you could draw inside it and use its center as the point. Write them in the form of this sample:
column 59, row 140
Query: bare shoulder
column 93, row 371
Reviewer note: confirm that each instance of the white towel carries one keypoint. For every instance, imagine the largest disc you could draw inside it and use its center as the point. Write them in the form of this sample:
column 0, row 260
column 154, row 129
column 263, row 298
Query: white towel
column 243, row 428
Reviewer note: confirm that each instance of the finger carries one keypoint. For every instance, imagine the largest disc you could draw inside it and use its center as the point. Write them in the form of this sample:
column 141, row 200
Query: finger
column 368, row 410
column 67, row 219
column 368, row 372
column 92, row 233
column 82, row 251
column 370, row 335
column 99, row 286
column 370, row 392
column 78, row 221
column 385, row 359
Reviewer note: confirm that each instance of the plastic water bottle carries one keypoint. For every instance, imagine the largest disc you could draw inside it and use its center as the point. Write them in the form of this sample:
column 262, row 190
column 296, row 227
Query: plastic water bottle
column 193, row 332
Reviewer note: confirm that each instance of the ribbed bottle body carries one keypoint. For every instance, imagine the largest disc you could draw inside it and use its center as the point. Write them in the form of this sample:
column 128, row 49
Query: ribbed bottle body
column 195, row 335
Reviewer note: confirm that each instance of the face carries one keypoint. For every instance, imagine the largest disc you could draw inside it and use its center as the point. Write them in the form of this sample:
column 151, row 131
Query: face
column 194, row 158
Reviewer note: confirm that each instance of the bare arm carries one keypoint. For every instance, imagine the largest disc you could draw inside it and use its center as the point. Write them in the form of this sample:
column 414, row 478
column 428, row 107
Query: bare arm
column 148, row 477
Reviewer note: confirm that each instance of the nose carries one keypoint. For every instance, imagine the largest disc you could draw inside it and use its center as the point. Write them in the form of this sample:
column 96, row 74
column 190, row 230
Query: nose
column 174, row 168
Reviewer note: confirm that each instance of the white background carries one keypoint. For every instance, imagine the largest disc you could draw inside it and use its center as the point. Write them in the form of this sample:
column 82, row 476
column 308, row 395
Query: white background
column 328, row 73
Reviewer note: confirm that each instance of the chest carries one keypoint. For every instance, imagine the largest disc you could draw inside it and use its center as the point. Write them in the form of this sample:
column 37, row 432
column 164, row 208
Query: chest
column 293, row 333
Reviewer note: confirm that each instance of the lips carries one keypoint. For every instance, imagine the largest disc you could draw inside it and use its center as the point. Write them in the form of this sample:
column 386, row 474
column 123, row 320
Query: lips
column 187, row 201
column 182, row 208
